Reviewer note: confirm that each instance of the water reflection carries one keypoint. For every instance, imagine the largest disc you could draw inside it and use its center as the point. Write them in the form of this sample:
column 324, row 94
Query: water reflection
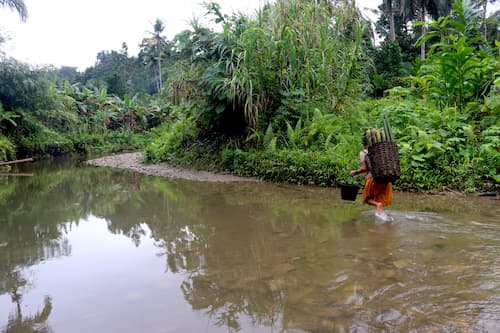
column 252, row 256
column 34, row 323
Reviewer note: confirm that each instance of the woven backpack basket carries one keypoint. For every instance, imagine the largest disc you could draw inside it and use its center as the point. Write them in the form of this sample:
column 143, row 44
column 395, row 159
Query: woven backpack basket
column 384, row 162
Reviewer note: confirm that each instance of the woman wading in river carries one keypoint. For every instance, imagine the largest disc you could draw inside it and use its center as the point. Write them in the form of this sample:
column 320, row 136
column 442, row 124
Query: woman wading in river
column 375, row 194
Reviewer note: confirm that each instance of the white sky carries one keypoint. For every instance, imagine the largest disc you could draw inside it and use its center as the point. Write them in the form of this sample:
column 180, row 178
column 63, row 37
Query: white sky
column 72, row 32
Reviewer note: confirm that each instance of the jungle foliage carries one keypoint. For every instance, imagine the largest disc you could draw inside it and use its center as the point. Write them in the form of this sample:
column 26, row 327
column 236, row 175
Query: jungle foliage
column 40, row 117
column 283, row 95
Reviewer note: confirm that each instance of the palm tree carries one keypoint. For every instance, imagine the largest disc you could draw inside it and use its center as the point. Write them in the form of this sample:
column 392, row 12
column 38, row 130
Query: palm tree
column 36, row 323
column 155, row 47
column 389, row 6
column 421, row 9
column 483, row 4
column 18, row 6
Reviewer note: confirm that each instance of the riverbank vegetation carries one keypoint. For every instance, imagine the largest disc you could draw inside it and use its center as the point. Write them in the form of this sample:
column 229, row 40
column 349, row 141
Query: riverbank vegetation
column 283, row 94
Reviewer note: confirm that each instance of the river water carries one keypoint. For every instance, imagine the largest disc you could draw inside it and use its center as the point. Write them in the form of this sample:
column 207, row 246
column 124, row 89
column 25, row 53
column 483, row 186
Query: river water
column 86, row 249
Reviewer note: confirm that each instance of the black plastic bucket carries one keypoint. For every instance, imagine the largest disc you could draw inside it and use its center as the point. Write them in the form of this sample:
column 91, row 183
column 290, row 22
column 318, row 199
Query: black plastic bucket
column 349, row 191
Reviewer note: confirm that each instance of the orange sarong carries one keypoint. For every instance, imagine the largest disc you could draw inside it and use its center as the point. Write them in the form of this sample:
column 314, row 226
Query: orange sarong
column 378, row 192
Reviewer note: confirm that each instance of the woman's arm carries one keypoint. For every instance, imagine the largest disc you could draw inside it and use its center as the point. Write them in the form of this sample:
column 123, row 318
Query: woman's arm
column 362, row 169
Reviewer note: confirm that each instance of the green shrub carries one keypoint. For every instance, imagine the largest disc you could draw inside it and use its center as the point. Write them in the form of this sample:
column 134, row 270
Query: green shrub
column 287, row 166
column 45, row 141
column 168, row 139
column 110, row 142
column 441, row 149
column 7, row 149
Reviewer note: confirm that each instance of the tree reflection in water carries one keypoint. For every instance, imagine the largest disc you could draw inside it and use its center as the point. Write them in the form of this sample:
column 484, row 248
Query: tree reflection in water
column 36, row 323
column 31, row 231
column 245, row 252
column 14, row 283
column 237, row 264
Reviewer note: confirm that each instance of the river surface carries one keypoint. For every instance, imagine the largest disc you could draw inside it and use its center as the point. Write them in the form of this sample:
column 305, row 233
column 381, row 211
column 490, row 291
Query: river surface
column 87, row 249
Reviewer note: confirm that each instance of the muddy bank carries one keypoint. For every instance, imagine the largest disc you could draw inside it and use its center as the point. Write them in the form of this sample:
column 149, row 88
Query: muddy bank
column 133, row 161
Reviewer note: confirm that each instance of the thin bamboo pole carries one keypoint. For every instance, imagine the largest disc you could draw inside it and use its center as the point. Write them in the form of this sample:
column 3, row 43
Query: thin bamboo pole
column 31, row 159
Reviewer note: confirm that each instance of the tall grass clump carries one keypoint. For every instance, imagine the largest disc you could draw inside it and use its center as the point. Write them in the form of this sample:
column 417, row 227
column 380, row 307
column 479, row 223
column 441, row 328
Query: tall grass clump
column 292, row 52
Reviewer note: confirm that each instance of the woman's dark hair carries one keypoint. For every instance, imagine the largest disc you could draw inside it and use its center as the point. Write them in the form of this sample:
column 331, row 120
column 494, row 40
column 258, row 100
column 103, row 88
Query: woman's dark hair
column 364, row 140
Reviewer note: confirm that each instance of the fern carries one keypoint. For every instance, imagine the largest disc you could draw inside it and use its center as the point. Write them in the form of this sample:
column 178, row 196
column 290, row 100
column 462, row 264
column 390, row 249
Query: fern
column 269, row 135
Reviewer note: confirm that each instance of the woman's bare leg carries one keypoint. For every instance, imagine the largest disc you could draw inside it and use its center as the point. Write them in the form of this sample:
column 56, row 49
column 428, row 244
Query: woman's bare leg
column 379, row 205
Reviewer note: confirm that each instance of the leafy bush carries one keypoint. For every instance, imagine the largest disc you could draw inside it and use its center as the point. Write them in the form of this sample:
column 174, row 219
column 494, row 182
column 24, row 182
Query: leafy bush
column 441, row 149
column 287, row 166
column 7, row 149
column 45, row 141
column 457, row 71
column 116, row 141
column 168, row 139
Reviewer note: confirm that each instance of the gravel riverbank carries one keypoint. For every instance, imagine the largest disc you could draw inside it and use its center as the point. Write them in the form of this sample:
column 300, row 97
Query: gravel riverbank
column 133, row 161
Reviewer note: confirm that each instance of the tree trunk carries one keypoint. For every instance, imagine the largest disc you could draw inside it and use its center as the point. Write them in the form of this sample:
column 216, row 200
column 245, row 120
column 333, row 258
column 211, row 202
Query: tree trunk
column 390, row 13
column 424, row 31
column 392, row 29
column 485, row 27
column 160, row 82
